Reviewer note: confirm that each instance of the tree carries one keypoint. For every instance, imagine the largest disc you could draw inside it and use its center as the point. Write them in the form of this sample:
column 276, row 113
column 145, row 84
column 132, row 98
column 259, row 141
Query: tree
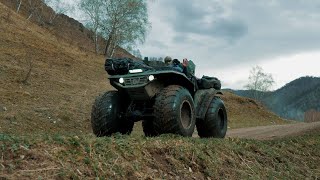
column 122, row 23
column 58, row 7
column 125, row 23
column 33, row 7
column 18, row 5
column 136, row 53
column 94, row 10
column 259, row 82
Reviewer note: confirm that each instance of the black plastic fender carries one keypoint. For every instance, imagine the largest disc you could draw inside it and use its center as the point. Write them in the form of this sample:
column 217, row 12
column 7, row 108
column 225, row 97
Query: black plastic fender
column 202, row 99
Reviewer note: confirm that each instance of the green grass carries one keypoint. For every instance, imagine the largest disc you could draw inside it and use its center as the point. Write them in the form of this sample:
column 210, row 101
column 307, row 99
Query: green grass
column 164, row 157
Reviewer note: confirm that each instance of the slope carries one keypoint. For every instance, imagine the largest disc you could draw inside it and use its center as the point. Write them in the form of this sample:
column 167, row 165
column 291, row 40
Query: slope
column 246, row 112
column 63, row 27
column 63, row 82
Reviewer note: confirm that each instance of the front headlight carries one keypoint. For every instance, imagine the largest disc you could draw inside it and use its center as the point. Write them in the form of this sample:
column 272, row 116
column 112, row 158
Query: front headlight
column 151, row 77
column 121, row 80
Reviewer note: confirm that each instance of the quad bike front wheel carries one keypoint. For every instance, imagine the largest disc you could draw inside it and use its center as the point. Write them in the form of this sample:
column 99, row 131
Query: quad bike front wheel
column 174, row 112
column 106, row 115
column 215, row 122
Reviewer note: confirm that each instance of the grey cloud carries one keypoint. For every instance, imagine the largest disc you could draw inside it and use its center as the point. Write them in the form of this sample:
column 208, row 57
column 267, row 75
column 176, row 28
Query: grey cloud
column 224, row 37
column 180, row 39
column 192, row 17
column 229, row 28
column 272, row 33
column 157, row 44
column 241, row 31
column 188, row 9
column 186, row 39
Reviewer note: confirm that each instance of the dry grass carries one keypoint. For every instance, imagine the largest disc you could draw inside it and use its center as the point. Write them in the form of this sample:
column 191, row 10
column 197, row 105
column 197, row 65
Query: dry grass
column 165, row 157
column 62, row 85
column 245, row 112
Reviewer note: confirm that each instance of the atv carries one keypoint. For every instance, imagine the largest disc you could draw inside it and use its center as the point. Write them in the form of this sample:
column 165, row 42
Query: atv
column 166, row 101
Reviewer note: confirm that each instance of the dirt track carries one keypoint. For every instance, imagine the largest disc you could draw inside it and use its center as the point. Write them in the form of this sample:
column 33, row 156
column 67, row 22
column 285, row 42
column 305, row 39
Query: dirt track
column 274, row 132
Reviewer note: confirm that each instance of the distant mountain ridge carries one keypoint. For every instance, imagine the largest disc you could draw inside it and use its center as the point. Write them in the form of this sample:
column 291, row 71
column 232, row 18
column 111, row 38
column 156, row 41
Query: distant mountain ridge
column 292, row 100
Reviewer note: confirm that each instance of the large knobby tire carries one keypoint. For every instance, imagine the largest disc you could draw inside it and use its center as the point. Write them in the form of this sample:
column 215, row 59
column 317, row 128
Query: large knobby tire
column 215, row 122
column 105, row 115
column 174, row 111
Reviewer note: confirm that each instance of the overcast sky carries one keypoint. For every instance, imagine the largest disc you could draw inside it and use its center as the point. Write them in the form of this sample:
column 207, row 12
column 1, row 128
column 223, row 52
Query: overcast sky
column 227, row 38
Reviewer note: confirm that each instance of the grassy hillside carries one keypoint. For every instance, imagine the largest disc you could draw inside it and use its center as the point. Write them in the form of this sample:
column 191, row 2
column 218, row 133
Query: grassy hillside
column 63, row 27
column 292, row 100
column 165, row 157
column 63, row 82
column 246, row 112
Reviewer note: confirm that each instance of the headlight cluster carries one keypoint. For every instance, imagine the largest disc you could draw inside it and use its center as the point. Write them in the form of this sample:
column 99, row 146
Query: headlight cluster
column 150, row 78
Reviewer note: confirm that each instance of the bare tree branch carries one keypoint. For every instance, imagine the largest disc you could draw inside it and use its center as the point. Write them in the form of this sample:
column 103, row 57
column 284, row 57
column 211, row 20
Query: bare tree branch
column 94, row 10
column 19, row 2
column 122, row 23
column 259, row 81
column 58, row 7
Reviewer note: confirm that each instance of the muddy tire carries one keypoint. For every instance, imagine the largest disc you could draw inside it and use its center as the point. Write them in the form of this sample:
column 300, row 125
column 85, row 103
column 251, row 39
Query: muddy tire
column 174, row 111
column 215, row 122
column 105, row 115
column 148, row 128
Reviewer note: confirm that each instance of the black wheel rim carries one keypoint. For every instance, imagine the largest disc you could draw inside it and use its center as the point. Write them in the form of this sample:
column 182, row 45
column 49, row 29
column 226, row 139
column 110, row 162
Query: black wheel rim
column 185, row 114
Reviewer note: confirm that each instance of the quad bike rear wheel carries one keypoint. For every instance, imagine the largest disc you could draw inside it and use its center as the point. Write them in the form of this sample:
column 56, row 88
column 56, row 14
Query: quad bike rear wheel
column 174, row 111
column 215, row 122
column 106, row 115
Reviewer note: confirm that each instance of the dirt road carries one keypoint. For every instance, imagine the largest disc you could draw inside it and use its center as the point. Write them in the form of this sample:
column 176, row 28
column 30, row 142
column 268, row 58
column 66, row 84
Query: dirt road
column 274, row 132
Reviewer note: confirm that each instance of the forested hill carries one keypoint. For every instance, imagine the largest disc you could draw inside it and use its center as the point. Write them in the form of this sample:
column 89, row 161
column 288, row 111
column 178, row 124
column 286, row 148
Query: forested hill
column 294, row 99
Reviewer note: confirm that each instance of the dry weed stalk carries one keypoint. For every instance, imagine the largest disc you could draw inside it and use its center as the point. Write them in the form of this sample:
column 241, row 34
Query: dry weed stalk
column 27, row 77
